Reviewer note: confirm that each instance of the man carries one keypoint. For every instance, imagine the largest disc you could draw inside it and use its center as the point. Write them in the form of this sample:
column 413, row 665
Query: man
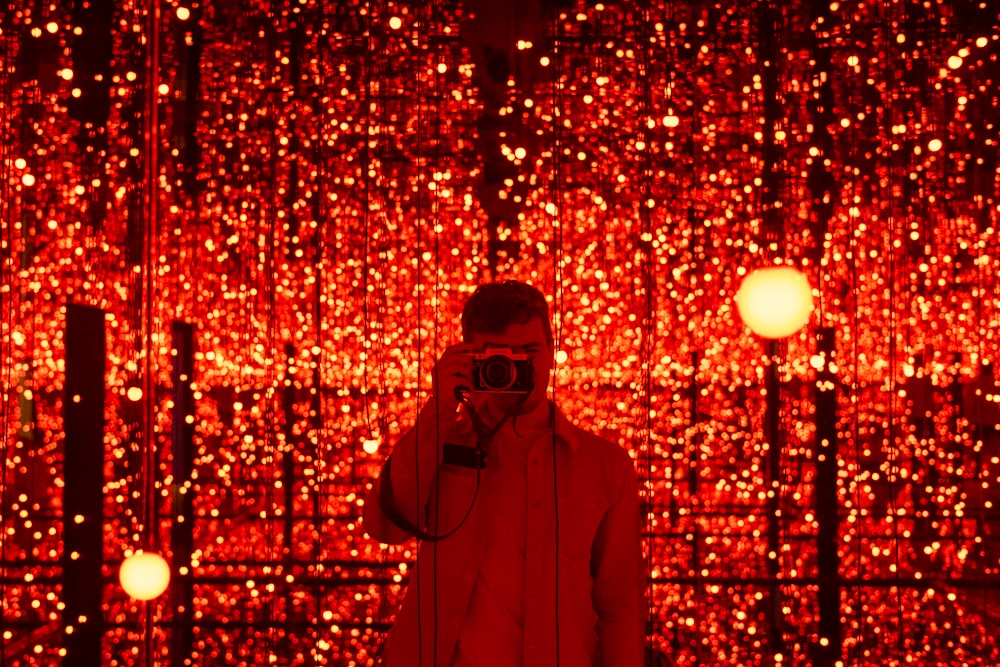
column 507, row 575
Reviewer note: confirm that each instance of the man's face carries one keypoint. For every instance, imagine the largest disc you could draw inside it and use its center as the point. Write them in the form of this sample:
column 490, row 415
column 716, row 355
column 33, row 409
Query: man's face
column 522, row 338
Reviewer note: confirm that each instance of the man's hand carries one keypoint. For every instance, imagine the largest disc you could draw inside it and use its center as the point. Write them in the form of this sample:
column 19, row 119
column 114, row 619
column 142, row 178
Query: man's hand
column 452, row 373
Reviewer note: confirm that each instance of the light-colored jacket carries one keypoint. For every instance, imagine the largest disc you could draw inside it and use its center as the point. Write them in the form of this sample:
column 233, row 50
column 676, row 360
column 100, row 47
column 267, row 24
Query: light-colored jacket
column 597, row 581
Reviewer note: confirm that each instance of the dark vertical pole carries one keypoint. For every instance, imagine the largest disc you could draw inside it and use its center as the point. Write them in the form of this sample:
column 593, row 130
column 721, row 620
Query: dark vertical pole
column 91, row 51
column 772, row 222
column 696, row 437
column 772, row 432
column 189, row 40
column 827, row 556
column 772, row 232
column 288, row 453
column 182, row 524
column 83, row 469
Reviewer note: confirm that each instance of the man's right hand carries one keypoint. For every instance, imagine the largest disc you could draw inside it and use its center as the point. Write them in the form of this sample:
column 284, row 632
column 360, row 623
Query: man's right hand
column 452, row 373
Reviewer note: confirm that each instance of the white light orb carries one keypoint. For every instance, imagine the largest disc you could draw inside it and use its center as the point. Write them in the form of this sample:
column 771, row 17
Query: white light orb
column 775, row 302
column 144, row 575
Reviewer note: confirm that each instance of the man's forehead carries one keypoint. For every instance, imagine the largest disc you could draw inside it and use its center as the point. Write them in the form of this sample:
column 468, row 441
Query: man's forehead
column 523, row 333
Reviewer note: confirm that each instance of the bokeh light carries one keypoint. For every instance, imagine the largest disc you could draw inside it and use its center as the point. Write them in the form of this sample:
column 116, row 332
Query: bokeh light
column 775, row 302
column 144, row 575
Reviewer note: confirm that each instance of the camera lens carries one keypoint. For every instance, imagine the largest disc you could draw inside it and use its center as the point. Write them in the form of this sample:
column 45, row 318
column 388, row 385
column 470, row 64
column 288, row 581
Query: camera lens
column 497, row 373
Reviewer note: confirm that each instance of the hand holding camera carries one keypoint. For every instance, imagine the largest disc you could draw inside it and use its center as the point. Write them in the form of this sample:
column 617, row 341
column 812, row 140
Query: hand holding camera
column 493, row 370
column 453, row 374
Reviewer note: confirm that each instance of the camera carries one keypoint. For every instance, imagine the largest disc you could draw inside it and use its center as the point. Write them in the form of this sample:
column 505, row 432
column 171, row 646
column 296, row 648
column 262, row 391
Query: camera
column 499, row 370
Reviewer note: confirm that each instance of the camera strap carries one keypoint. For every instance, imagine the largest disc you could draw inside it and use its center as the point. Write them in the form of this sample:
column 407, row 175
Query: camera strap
column 387, row 504
column 463, row 456
column 471, row 457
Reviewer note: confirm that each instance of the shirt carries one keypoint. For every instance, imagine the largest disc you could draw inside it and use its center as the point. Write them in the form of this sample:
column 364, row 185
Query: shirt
column 492, row 632
column 582, row 566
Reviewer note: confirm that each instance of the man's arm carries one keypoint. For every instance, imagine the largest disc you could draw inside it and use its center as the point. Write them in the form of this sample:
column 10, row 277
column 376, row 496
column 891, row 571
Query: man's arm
column 414, row 461
column 414, row 464
column 620, row 576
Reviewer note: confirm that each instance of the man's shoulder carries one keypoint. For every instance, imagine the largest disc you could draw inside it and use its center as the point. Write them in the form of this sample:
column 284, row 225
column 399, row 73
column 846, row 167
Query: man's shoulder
column 592, row 439
column 594, row 445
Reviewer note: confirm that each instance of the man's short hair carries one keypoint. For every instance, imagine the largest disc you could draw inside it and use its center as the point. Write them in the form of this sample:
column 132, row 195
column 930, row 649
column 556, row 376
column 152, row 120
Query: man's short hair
column 493, row 307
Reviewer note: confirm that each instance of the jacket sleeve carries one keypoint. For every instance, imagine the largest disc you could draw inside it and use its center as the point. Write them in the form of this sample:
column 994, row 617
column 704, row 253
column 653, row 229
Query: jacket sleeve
column 620, row 575
column 413, row 468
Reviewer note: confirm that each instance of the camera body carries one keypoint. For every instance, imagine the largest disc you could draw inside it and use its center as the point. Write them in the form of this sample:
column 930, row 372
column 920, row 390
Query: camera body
column 498, row 370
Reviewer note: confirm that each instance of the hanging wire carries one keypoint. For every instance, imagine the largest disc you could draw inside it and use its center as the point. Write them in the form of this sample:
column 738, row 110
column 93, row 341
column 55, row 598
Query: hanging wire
column 366, row 161
column 418, row 245
column 856, row 388
column 981, row 461
column 321, row 489
column 557, row 255
column 435, row 137
column 149, row 259
column 7, row 48
column 271, row 230
column 648, row 284
column 893, row 468
column 150, row 255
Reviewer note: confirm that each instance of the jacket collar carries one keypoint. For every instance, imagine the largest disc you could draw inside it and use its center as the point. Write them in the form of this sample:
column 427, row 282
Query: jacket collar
column 566, row 432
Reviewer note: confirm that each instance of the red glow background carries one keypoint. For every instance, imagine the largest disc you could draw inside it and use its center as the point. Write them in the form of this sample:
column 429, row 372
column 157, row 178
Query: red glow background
column 316, row 187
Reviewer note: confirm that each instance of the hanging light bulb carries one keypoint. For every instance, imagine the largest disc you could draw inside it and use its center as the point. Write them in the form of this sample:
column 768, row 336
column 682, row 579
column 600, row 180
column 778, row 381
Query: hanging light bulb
column 144, row 576
column 775, row 302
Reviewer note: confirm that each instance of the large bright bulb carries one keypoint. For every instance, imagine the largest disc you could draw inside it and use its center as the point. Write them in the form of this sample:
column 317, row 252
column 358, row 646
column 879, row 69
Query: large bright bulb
column 775, row 302
column 144, row 576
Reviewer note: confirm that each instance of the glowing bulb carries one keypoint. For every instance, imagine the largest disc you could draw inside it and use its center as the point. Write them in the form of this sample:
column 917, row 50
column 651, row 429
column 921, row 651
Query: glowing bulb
column 775, row 302
column 144, row 576
column 134, row 394
column 370, row 446
column 395, row 23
